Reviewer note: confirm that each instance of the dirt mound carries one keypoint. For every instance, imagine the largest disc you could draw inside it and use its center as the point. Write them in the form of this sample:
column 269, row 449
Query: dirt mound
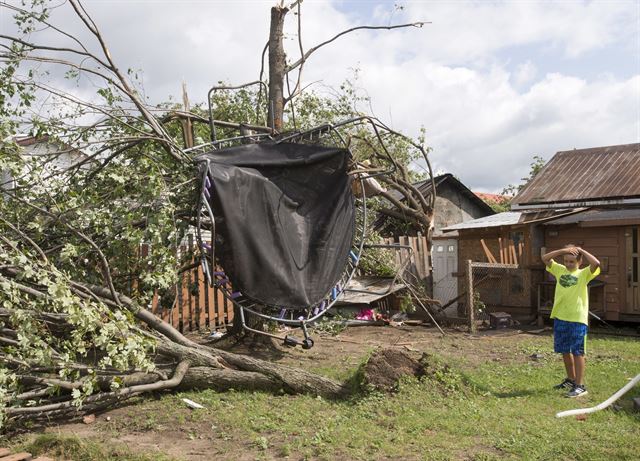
column 385, row 367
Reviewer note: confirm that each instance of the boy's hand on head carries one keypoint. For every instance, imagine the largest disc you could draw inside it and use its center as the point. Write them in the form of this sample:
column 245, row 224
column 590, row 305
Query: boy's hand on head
column 575, row 251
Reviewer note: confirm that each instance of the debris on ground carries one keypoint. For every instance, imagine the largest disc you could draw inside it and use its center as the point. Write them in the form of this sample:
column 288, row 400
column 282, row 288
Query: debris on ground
column 400, row 317
column 416, row 323
column 191, row 404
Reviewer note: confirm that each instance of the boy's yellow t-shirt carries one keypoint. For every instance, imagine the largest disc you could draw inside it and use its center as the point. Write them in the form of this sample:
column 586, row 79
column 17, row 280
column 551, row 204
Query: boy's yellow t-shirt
column 571, row 302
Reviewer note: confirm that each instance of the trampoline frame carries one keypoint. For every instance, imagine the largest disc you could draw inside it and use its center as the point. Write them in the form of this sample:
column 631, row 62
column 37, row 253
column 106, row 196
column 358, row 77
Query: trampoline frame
column 319, row 309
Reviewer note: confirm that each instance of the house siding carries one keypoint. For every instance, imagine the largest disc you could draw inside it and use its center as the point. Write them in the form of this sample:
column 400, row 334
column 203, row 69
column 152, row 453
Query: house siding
column 453, row 207
column 607, row 244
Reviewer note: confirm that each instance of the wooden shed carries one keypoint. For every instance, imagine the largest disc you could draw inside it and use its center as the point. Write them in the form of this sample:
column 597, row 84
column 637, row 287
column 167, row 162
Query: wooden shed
column 588, row 197
column 504, row 238
column 455, row 203
column 613, row 236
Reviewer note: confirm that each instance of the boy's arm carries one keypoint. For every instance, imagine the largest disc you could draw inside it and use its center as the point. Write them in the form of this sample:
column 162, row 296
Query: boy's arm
column 593, row 261
column 548, row 257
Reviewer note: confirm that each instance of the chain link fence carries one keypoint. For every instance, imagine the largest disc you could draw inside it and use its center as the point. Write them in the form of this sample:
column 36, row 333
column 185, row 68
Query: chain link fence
column 489, row 287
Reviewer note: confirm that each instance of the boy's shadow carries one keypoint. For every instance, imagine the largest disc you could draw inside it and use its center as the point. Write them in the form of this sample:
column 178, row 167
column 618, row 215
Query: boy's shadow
column 505, row 395
column 516, row 393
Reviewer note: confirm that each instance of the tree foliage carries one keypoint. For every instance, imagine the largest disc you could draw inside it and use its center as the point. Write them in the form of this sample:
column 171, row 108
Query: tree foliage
column 509, row 192
column 534, row 168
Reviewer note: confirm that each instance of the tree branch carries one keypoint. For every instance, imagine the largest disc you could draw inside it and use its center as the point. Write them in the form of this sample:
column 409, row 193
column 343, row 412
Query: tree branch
column 35, row 46
column 121, row 394
column 169, row 144
column 26, row 237
column 353, row 29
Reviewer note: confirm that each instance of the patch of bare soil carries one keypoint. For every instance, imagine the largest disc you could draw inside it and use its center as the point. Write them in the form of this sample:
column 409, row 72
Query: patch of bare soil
column 386, row 367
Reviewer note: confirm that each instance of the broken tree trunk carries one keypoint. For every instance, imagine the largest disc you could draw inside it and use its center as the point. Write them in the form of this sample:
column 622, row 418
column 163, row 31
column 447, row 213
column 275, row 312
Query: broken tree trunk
column 277, row 68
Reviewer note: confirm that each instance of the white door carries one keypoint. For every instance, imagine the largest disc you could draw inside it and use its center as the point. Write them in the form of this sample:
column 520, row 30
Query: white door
column 444, row 254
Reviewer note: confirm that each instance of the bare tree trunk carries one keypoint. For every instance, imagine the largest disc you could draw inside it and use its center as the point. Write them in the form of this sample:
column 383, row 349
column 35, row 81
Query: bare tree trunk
column 277, row 68
column 237, row 332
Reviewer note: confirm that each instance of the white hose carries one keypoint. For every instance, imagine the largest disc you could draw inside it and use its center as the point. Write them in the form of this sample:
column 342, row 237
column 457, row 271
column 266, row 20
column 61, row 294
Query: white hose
column 604, row 404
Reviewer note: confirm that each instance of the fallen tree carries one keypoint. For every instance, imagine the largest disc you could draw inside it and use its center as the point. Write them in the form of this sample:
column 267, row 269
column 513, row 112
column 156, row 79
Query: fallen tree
column 49, row 382
column 75, row 332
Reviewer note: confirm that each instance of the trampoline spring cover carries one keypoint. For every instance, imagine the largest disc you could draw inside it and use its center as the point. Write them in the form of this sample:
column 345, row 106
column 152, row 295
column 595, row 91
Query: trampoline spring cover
column 285, row 219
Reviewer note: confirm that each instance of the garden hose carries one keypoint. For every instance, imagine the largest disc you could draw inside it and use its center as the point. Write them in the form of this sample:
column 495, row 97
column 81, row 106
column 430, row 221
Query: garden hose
column 604, row 404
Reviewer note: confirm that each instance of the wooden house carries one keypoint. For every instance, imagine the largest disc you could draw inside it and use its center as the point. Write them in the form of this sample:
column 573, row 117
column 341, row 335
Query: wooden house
column 588, row 197
column 455, row 203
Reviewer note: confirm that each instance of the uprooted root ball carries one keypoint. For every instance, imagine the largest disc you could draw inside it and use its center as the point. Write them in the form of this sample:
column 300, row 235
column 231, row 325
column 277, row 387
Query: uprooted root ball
column 387, row 367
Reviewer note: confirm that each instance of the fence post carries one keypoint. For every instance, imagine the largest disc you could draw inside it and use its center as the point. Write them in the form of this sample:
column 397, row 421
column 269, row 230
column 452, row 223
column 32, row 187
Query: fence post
column 470, row 303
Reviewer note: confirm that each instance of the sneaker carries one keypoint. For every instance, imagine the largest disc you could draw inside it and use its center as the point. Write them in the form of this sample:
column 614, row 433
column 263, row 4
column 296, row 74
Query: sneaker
column 577, row 391
column 567, row 384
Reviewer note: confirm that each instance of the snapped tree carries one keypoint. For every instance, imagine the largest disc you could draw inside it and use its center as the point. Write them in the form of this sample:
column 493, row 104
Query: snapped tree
column 75, row 332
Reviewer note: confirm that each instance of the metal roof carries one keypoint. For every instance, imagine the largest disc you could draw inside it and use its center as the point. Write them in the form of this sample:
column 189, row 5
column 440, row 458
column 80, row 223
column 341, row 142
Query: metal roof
column 594, row 216
column 508, row 218
column 369, row 289
column 585, row 177
column 512, row 218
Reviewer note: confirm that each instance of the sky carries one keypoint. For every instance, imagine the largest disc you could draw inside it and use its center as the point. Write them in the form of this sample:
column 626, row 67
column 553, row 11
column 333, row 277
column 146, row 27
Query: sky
column 493, row 83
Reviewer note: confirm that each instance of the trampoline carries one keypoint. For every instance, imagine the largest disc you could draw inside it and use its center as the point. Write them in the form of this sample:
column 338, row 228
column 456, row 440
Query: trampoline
column 287, row 229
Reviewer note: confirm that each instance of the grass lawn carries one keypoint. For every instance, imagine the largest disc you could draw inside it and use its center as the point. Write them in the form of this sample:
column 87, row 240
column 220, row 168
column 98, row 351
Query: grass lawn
column 493, row 402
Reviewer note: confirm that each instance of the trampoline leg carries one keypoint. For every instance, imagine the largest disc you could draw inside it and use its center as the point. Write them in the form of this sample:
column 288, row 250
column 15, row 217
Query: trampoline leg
column 306, row 343
column 247, row 328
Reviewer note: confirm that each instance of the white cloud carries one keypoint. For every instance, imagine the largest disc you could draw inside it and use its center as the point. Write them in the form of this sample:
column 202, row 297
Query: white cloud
column 525, row 73
column 473, row 78
column 471, row 31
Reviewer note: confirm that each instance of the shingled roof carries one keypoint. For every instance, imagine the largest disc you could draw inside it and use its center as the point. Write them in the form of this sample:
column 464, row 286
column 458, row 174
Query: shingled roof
column 585, row 177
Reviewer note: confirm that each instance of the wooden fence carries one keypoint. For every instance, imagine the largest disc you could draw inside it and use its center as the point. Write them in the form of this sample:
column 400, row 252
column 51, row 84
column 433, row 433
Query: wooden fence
column 196, row 305
column 420, row 264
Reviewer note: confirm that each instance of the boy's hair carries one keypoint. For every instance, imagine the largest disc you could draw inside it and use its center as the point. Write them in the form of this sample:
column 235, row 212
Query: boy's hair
column 571, row 245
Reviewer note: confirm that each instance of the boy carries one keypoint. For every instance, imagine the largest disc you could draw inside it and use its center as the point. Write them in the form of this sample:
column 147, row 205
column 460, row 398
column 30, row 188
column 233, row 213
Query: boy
column 571, row 312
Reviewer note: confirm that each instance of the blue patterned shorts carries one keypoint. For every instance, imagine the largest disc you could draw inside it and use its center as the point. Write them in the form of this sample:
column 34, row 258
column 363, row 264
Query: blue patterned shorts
column 569, row 337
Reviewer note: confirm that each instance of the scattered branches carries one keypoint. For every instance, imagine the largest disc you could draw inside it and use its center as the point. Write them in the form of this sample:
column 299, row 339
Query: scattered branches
column 106, row 175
